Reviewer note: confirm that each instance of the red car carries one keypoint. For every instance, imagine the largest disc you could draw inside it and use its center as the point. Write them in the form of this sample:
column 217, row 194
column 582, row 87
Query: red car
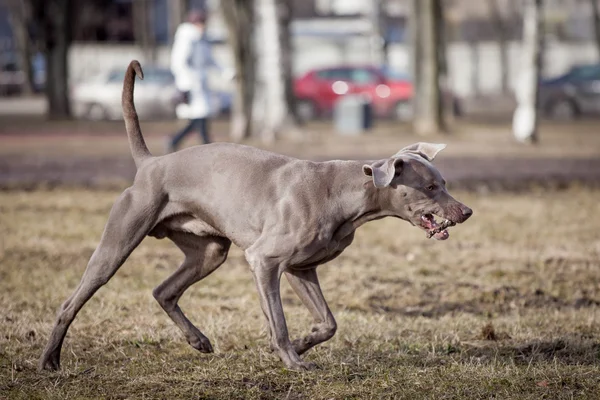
column 390, row 93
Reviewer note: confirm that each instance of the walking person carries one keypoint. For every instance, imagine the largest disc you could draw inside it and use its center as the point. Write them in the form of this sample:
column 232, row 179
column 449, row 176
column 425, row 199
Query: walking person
column 191, row 57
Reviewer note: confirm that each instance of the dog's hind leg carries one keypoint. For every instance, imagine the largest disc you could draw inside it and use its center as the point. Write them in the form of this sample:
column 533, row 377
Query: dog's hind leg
column 306, row 285
column 132, row 216
column 203, row 255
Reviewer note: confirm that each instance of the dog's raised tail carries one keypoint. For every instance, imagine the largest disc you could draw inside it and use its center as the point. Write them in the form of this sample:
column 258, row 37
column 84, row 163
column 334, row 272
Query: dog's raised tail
column 138, row 147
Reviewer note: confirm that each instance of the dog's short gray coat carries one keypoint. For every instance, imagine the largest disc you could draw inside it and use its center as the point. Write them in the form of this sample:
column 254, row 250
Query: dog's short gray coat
column 288, row 215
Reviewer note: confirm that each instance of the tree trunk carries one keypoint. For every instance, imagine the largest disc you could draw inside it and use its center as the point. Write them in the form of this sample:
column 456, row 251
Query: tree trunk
column 445, row 101
column 239, row 18
column 20, row 19
column 426, row 69
column 596, row 17
column 275, row 114
column 142, row 28
column 475, row 70
column 176, row 14
column 384, row 32
column 502, row 44
column 379, row 45
column 525, row 119
column 285, row 19
column 52, row 16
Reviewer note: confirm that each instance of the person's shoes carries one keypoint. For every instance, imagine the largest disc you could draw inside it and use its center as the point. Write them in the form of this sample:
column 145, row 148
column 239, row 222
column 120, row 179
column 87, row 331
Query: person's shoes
column 169, row 146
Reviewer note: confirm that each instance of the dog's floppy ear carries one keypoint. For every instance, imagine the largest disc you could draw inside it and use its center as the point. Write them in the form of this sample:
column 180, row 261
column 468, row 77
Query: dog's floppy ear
column 383, row 172
column 426, row 150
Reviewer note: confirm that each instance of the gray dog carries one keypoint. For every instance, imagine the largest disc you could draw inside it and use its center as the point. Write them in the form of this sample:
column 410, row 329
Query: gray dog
column 288, row 215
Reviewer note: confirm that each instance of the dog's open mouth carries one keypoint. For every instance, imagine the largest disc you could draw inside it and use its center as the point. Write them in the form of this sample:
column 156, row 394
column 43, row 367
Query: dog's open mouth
column 435, row 230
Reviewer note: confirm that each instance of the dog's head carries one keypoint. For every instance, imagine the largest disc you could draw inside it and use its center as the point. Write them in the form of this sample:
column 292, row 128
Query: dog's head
column 413, row 189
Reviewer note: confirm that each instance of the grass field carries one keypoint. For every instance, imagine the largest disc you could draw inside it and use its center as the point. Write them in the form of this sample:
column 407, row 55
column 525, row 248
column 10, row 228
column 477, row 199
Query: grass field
column 508, row 307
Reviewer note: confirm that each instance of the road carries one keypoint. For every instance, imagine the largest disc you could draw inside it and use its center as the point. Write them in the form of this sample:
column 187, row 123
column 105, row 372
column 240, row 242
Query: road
column 471, row 173
column 36, row 152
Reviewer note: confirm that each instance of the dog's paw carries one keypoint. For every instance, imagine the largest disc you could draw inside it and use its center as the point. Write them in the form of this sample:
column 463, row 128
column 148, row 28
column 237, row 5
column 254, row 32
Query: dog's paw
column 301, row 346
column 202, row 344
column 302, row 366
column 49, row 363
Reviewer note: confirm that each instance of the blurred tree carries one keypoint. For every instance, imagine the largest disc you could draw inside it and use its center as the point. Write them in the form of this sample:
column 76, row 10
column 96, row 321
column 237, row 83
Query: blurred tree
column 475, row 67
column 427, row 100
column 502, row 37
column 379, row 31
column 20, row 21
column 596, row 18
column 274, row 110
column 142, row 28
column 177, row 10
column 52, row 19
column 446, row 107
column 91, row 22
column 239, row 18
column 525, row 119
column 285, row 14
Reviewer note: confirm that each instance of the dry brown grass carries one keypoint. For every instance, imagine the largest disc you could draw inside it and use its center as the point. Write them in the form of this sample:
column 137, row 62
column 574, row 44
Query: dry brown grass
column 507, row 308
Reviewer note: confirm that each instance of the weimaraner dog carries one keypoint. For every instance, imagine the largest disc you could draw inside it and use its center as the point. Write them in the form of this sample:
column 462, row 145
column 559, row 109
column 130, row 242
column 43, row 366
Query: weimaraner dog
column 287, row 215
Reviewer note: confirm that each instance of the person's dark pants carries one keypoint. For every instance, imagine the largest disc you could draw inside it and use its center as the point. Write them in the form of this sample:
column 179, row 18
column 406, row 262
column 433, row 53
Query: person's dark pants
column 199, row 124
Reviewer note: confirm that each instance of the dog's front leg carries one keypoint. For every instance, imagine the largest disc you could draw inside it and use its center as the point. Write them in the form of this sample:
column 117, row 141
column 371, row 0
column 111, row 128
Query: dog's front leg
column 306, row 285
column 267, row 278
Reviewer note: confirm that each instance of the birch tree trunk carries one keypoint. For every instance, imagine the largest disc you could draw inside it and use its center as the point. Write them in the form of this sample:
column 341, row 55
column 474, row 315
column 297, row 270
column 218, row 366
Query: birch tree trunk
column 446, row 102
column 176, row 10
column 596, row 18
column 379, row 44
column 525, row 119
column 20, row 19
column 272, row 112
column 426, row 69
column 239, row 18
column 142, row 28
column 502, row 44
column 475, row 67
column 284, row 21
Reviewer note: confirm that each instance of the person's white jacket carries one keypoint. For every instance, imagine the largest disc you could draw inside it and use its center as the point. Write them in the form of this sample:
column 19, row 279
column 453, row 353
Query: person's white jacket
column 191, row 58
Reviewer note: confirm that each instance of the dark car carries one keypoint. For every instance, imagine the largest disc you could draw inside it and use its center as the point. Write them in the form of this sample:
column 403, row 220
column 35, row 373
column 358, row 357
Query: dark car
column 573, row 94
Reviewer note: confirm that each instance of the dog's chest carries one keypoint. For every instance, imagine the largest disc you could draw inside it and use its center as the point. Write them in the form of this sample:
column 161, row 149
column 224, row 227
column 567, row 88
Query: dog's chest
column 184, row 223
column 327, row 250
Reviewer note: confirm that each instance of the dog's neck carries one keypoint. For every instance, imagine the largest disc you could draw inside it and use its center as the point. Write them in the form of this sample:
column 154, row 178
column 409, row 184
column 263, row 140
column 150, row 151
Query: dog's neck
column 357, row 197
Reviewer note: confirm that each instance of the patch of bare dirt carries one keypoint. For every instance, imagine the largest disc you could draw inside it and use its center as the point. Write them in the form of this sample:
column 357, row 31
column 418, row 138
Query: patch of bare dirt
column 502, row 300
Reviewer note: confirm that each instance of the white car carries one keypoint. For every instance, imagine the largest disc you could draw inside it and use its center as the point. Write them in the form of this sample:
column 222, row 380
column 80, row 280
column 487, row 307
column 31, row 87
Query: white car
column 99, row 98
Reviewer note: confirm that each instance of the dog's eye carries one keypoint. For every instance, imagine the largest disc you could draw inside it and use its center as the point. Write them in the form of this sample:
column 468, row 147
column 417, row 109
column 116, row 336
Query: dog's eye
column 430, row 188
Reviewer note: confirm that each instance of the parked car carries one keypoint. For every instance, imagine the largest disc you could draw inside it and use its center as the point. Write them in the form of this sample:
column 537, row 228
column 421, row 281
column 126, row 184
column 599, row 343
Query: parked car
column 11, row 78
column 99, row 98
column 573, row 94
column 389, row 91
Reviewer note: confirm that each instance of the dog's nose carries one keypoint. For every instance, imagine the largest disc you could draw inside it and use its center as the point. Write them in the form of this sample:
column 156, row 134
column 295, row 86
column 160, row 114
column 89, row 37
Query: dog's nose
column 467, row 212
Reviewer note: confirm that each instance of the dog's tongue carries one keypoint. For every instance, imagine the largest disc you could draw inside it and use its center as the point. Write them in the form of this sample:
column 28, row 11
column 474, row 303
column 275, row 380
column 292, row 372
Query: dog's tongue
column 429, row 223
